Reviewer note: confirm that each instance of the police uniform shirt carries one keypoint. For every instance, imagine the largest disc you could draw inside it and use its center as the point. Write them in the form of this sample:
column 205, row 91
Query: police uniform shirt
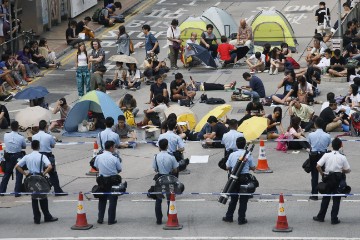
column 108, row 135
column 107, row 164
column 164, row 163
column 229, row 139
column 33, row 163
column 46, row 141
column 319, row 140
column 234, row 157
column 14, row 142
column 334, row 162
column 174, row 140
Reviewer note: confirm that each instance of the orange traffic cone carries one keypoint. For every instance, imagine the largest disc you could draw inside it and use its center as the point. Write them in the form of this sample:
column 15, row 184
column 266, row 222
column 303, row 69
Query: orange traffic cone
column 81, row 222
column 172, row 223
column 1, row 159
column 282, row 224
column 262, row 166
column 92, row 171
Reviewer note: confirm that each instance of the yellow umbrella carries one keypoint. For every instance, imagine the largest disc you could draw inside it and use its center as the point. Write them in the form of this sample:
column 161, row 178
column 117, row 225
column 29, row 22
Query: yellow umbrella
column 218, row 112
column 184, row 114
column 253, row 127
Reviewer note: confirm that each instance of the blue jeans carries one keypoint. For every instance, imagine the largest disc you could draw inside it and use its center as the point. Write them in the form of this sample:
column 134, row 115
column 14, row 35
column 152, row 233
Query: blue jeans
column 83, row 78
column 345, row 127
column 251, row 93
column 119, row 18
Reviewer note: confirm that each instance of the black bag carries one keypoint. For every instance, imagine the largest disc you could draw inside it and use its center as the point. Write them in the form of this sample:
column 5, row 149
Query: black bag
column 214, row 101
column 306, row 166
column 96, row 189
column 152, row 196
column 203, row 98
column 185, row 102
column 157, row 50
column 267, row 101
column 222, row 163
column 92, row 163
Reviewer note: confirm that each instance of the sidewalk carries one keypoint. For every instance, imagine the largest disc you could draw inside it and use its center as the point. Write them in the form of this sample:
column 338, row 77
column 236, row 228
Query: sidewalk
column 56, row 37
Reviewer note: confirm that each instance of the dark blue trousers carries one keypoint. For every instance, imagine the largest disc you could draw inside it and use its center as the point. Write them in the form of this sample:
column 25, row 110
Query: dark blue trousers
column 158, row 210
column 11, row 161
column 44, row 208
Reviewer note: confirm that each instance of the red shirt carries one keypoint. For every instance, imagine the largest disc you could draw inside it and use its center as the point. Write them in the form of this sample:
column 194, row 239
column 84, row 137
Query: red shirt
column 224, row 50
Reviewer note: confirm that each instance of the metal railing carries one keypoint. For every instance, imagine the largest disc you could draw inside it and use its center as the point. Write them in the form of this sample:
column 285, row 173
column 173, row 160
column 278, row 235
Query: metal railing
column 354, row 13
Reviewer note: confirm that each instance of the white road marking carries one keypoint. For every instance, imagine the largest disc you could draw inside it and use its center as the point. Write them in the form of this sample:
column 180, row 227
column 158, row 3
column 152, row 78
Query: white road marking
column 55, row 74
column 185, row 238
column 179, row 200
column 217, row 4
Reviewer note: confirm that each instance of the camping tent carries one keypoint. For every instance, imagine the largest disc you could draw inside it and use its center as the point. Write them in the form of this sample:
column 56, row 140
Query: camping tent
column 223, row 21
column 272, row 27
column 95, row 101
column 195, row 24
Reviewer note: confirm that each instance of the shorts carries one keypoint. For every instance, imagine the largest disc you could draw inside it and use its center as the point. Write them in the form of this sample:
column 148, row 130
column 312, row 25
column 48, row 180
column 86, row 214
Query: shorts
column 60, row 122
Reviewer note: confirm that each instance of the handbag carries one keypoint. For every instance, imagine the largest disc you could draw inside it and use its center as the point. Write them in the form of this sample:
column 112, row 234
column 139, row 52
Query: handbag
column 282, row 145
column 176, row 45
column 185, row 102
column 306, row 166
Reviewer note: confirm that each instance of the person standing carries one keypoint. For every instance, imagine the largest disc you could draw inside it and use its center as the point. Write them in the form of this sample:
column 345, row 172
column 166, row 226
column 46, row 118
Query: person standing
column 321, row 14
column 108, row 134
column 47, row 143
column 336, row 165
column 34, row 162
column 14, row 143
column 109, row 166
column 151, row 43
column 229, row 138
column 163, row 164
column 82, row 70
column 123, row 42
column 97, row 56
column 243, row 199
column 174, row 42
column 319, row 142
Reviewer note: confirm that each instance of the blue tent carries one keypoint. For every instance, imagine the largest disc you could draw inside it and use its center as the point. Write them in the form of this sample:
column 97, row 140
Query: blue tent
column 95, row 101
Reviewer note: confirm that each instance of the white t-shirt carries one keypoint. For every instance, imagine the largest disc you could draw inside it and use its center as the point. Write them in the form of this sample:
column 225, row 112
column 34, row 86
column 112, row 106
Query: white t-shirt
column 308, row 87
column 355, row 99
column 254, row 60
column 334, row 162
column 134, row 78
column 82, row 60
column 170, row 34
column 187, row 51
column 160, row 109
column 324, row 62
column 326, row 104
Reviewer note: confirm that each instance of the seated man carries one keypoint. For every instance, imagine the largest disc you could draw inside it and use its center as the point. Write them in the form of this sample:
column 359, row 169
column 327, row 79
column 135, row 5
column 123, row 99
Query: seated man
column 214, row 138
column 118, row 18
column 256, row 87
column 125, row 132
column 225, row 52
column 244, row 36
column 254, row 108
column 178, row 89
column 82, row 27
column 290, row 88
column 104, row 16
column 331, row 121
column 97, row 79
column 337, row 65
column 64, row 109
column 156, row 114
column 256, row 62
column 304, row 112
column 70, row 34
column 158, row 88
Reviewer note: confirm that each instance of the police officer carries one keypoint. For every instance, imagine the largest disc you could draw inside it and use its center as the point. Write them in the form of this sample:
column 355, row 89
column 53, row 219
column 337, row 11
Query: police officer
column 176, row 144
column 47, row 142
column 319, row 142
column 243, row 200
column 108, row 166
column 336, row 165
column 33, row 163
column 108, row 134
column 163, row 163
column 14, row 144
column 229, row 138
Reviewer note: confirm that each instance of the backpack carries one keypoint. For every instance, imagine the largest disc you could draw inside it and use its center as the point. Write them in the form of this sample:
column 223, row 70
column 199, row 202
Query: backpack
column 96, row 15
column 101, row 15
column 282, row 145
column 213, row 101
column 157, row 50
column 129, row 116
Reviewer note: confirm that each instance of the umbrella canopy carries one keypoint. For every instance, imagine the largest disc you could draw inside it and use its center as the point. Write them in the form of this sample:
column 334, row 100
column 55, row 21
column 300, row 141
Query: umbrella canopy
column 218, row 112
column 184, row 114
column 31, row 116
column 253, row 127
column 32, row 93
column 203, row 54
column 123, row 58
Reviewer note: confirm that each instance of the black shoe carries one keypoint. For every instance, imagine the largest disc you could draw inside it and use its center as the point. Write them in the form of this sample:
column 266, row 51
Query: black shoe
column 52, row 219
column 318, row 219
column 314, row 198
column 225, row 219
column 17, row 195
column 100, row 221
column 37, row 221
column 111, row 223
column 59, row 194
column 333, row 222
column 159, row 222
column 242, row 222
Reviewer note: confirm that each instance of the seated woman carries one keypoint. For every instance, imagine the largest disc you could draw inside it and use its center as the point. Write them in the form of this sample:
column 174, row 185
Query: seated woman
column 128, row 102
column 305, row 91
column 118, row 73
column 132, row 76
column 45, row 51
column 296, row 132
column 274, row 120
column 38, row 58
column 353, row 97
column 277, row 62
column 31, row 67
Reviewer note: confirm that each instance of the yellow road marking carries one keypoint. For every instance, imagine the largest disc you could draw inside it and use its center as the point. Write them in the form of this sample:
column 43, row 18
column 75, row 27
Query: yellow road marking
column 66, row 59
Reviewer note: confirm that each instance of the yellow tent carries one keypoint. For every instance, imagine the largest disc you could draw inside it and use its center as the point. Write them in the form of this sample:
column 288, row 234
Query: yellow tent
column 218, row 112
column 272, row 27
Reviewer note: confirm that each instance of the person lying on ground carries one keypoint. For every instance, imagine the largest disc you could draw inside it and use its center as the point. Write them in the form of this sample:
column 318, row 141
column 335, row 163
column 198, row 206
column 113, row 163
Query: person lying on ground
column 204, row 86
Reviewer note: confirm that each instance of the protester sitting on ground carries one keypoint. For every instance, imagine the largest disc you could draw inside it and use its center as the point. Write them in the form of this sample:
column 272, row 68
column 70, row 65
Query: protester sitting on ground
column 337, row 65
column 5, row 76
column 70, row 35
column 189, row 52
column 304, row 112
column 331, row 96
column 314, row 55
column 226, row 52
column 117, row 80
column 296, row 132
column 153, row 67
column 40, row 59
column 31, row 67
column 277, row 61
column 207, row 40
column 288, row 55
column 267, row 53
column 117, row 18
column 178, row 90
column 256, row 62
column 156, row 114
column 18, row 70
column 256, row 87
column 125, row 132
column 64, row 109
column 82, row 27
column 213, row 138
column 353, row 97
column 5, row 95
column 179, row 130
column 158, row 88
column 323, row 65
column 331, row 121
column 244, row 36
column 352, row 51
column 274, row 120
column 44, row 50
column 105, row 16
column 132, row 77
column 253, row 108
column 97, row 79
column 128, row 102
column 305, row 91
column 204, row 86
column 290, row 88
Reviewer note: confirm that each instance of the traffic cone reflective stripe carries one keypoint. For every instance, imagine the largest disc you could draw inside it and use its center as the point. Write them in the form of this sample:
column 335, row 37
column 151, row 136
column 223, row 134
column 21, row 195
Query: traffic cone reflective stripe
column 262, row 165
column 281, row 223
column 172, row 223
column 1, row 159
column 93, row 172
column 81, row 221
